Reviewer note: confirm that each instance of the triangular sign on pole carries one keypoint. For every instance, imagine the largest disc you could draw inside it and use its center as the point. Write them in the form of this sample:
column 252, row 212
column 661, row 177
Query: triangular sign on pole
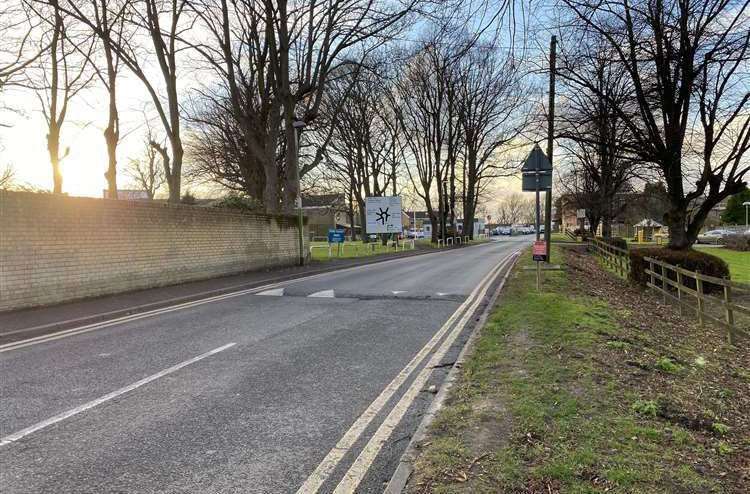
column 536, row 161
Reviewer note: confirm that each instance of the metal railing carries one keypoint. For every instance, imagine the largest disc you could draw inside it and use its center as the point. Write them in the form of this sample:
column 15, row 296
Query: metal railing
column 671, row 280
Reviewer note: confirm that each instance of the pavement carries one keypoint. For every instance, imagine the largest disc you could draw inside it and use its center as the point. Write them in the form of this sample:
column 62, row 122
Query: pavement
column 300, row 386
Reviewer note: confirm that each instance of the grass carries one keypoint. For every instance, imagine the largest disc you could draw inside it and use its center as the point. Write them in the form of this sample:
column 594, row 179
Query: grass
column 535, row 412
column 739, row 262
column 350, row 250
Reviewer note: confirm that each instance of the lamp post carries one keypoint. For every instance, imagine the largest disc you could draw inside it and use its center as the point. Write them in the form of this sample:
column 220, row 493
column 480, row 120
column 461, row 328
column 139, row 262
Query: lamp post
column 298, row 126
column 747, row 205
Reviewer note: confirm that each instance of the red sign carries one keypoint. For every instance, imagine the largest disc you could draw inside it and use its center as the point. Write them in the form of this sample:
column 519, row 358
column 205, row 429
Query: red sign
column 539, row 250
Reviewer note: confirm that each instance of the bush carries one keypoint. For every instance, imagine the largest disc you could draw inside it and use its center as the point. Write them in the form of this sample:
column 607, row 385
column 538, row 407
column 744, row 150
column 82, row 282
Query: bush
column 188, row 198
column 618, row 242
column 692, row 260
column 737, row 242
column 234, row 201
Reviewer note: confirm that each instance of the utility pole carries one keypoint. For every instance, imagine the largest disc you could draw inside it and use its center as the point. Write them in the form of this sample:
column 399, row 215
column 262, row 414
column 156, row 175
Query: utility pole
column 550, row 138
column 298, row 126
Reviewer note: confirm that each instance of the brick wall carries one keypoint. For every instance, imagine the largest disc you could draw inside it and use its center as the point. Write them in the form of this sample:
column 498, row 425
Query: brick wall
column 55, row 248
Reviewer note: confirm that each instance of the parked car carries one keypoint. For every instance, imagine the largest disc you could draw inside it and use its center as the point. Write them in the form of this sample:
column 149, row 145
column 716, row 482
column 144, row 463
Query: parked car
column 713, row 236
column 505, row 230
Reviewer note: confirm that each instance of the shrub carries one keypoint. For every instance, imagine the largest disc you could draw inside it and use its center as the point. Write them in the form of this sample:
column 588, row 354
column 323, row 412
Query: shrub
column 720, row 429
column 618, row 242
column 666, row 364
column 648, row 408
column 234, row 201
column 737, row 242
column 692, row 260
column 188, row 198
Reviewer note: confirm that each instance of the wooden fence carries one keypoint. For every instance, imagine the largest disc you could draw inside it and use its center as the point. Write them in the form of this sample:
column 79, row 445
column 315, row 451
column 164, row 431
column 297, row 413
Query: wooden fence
column 731, row 310
column 671, row 281
column 616, row 258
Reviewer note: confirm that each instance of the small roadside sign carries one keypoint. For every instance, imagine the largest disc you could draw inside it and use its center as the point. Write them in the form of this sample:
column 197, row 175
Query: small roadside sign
column 539, row 251
column 335, row 236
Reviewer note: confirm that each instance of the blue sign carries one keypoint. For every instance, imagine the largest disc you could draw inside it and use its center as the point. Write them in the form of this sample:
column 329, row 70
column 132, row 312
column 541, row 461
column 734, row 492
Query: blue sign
column 335, row 236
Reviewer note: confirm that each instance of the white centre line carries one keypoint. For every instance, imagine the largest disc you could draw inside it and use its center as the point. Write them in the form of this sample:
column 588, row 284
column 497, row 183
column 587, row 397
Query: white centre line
column 114, row 394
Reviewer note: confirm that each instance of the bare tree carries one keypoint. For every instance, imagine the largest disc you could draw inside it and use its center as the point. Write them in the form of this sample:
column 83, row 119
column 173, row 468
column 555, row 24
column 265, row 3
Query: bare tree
column 687, row 63
column 596, row 139
column 364, row 150
column 493, row 110
column 7, row 177
column 511, row 209
column 145, row 172
column 63, row 73
column 164, row 24
column 20, row 45
column 109, row 18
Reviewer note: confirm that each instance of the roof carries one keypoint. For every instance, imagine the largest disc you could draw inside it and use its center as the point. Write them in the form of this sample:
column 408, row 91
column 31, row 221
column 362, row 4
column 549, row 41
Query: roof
column 323, row 200
column 649, row 223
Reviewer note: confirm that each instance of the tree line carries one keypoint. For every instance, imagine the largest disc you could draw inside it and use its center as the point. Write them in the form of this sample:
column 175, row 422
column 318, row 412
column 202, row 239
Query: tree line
column 429, row 99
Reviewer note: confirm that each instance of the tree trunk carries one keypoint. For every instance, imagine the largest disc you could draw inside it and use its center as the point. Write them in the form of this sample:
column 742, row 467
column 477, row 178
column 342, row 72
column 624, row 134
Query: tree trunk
column 53, row 147
column 351, row 215
column 174, row 177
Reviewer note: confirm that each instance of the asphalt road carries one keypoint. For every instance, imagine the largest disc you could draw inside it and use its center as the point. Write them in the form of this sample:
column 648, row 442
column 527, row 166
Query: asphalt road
column 247, row 393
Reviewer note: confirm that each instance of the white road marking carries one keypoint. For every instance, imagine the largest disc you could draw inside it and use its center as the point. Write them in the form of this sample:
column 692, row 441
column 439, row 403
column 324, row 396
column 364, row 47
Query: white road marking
column 275, row 292
column 114, row 394
column 323, row 294
column 332, row 459
column 396, row 292
column 362, row 464
column 441, row 294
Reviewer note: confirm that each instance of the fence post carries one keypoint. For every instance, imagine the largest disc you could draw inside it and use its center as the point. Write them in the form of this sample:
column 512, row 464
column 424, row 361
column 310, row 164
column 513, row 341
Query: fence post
column 651, row 271
column 699, row 289
column 728, row 311
column 679, row 290
column 663, row 284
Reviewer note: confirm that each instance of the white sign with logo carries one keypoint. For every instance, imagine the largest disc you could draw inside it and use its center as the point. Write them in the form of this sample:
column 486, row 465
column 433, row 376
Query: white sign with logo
column 383, row 214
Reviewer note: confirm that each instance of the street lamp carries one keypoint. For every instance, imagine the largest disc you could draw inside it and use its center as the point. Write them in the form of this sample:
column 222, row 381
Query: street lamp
column 298, row 125
column 747, row 205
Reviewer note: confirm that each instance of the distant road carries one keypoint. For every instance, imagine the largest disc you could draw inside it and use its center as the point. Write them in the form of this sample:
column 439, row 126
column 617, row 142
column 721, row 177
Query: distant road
column 247, row 392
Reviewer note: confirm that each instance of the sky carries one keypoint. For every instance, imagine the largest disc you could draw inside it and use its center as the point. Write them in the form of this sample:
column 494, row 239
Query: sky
column 23, row 139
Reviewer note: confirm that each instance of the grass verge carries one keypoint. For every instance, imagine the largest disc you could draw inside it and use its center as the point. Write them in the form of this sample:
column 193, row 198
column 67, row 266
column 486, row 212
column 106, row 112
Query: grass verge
column 739, row 262
column 577, row 390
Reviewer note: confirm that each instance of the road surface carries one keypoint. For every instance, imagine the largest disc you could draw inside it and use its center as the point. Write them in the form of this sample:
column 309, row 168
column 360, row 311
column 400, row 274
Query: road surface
column 310, row 385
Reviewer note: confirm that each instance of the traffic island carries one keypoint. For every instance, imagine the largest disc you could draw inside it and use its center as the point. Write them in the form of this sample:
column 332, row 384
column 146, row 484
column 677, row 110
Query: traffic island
column 590, row 386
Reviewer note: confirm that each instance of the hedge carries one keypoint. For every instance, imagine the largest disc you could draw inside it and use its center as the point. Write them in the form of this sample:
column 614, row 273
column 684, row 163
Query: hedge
column 618, row 242
column 692, row 260
column 737, row 242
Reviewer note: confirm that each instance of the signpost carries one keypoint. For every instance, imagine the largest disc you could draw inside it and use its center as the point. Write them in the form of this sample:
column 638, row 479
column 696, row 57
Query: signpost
column 537, row 177
column 383, row 214
column 335, row 236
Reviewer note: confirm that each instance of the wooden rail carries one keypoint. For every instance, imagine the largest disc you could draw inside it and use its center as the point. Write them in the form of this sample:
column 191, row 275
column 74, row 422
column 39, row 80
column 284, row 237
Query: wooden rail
column 674, row 288
column 614, row 257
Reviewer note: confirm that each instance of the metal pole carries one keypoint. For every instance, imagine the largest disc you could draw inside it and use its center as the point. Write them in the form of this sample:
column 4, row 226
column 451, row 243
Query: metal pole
column 550, row 137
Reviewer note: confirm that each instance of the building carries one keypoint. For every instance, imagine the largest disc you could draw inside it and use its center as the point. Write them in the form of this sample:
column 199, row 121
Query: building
column 327, row 211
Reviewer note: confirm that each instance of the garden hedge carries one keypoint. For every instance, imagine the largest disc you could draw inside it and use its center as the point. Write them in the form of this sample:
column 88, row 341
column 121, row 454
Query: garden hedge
column 737, row 242
column 618, row 242
column 691, row 260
